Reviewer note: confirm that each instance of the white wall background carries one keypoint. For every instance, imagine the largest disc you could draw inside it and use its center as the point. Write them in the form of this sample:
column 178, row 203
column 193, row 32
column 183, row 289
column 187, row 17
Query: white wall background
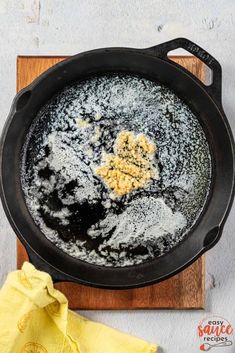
column 57, row 27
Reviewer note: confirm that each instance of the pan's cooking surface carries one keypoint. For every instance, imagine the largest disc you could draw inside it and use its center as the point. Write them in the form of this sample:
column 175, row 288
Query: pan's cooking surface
column 75, row 209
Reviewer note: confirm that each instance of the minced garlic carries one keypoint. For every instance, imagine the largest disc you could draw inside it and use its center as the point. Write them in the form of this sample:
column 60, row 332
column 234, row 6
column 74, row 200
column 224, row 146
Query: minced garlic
column 97, row 116
column 82, row 123
column 131, row 166
column 97, row 135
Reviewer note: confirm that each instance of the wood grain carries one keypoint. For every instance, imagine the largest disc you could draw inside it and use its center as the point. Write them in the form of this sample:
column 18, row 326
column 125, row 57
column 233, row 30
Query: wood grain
column 183, row 291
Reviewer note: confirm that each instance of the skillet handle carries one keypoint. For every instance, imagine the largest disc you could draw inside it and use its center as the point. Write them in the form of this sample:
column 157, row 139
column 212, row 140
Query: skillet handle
column 214, row 89
column 41, row 265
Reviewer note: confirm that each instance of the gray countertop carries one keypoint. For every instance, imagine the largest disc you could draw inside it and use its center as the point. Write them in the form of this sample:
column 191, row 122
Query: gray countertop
column 57, row 27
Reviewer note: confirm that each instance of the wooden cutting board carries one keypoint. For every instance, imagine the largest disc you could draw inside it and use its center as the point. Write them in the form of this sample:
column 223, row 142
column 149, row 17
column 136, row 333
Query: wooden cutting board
column 183, row 291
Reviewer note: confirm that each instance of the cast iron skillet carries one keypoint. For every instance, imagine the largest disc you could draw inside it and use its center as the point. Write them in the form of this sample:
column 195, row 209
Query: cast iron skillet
column 151, row 63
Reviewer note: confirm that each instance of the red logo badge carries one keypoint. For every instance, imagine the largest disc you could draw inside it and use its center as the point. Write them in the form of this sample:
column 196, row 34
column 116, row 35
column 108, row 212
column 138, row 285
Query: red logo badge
column 215, row 331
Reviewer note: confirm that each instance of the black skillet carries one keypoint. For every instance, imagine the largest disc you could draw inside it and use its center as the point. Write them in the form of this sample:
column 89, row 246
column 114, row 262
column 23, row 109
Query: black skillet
column 205, row 102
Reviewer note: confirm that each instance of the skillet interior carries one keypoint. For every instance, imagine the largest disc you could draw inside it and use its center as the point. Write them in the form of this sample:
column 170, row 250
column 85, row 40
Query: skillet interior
column 70, row 203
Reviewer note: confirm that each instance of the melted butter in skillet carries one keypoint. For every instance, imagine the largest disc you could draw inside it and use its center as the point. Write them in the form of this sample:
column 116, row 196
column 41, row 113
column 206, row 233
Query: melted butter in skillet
column 63, row 152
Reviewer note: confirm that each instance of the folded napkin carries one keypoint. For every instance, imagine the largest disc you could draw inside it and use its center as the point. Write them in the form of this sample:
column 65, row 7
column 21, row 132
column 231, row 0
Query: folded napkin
column 34, row 318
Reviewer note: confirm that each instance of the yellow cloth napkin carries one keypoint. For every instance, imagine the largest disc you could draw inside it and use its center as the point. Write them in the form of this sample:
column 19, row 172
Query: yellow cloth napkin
column 34, row 318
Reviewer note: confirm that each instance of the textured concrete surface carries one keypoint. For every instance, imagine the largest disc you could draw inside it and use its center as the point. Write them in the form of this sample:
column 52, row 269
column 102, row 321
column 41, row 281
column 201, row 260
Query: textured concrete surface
column 54, row 27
